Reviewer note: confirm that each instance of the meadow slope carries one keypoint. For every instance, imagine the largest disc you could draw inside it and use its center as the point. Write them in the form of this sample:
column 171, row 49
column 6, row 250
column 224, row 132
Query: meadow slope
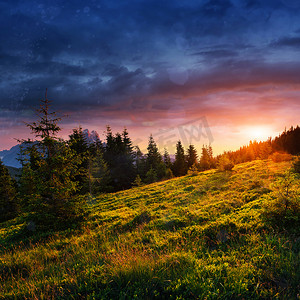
column 193, row 237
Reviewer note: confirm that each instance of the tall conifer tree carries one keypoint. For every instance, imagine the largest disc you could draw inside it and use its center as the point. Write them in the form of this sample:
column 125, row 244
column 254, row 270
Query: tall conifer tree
column 180, row 166
column 192, row 156
column 154, row 161
column 7, row 194
column 53, row 202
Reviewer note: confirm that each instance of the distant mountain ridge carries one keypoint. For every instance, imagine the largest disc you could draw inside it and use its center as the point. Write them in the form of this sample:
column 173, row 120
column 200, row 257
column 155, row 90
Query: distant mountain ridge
column 91, row 137
column 10, row 157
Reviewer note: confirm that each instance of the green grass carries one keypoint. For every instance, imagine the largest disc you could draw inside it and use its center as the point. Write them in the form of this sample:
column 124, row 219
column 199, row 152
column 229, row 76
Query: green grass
column 193, row 237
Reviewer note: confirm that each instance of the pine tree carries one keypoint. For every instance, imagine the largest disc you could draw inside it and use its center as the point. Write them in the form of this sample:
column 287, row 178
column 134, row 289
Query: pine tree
column 109, row 141
column 128, row 166
column 139, row 161
column 128, row 148
column 46, row 128
column 28, row 193
column 80, row 147
column 77, row 142
column 99, row 175
column 167, row 159
column 250, row 154
column 168, row 165
column 153, row 156
column 180, row 166
column 211, row 157
column 205, row 159
column 7, row 195
column 265, row 149
column 119, row 156
column 192, row 156
column 53, row 201
column 151, row 176
column 154, row 160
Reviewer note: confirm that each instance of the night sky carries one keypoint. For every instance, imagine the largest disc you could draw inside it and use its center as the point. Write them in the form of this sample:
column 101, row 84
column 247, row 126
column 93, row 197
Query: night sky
column 227, row 69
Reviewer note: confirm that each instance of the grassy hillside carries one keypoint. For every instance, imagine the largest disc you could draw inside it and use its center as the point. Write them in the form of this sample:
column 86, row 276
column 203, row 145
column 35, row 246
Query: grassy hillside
column 194, row 237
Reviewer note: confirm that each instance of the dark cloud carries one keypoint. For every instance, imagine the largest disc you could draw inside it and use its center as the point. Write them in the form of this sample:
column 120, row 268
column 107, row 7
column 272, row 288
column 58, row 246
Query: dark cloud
column 215, row 54
column 232, row 76
column 121, row 55
column 287, row 42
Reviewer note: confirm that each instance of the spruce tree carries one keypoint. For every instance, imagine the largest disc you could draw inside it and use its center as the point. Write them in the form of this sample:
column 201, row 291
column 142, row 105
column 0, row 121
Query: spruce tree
column 192, row 156
column 139, row 161
column 7, row 194
column 154, row 161
column 46, row 128
column 52, row 201
column 28, row 192
column 119, row 156
column 80, row 147
column 129, row 168
column 153, row 156
column 151, row 176
column 167, row 159
column 99, row 175
column 168, row 165
column 211, row 157
column 180, row 166
column 206, row 158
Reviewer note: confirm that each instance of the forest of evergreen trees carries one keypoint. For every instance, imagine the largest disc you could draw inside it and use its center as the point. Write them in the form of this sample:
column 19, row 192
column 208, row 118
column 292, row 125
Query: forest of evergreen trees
column 57, row 175
column 288, row 142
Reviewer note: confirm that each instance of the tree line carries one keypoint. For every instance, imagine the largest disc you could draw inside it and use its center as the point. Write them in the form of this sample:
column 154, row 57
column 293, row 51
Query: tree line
column 287, row 142
column 57, row 175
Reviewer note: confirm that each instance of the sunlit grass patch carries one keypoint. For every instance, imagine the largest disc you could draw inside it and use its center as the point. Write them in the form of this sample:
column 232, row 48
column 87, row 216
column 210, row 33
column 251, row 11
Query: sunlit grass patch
column 193, row 237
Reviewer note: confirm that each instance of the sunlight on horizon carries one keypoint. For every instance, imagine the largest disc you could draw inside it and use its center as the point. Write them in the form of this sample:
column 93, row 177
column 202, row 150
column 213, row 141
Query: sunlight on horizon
column 258, row 133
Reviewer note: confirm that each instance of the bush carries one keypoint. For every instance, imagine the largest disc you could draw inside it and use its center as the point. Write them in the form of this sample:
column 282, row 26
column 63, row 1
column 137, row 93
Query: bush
column 296, row 166
column 280, row 156
column 283, row 206
column 193, row 170
column 169, row 174
column 151, row 176
column 225, row 164
column 137, row 181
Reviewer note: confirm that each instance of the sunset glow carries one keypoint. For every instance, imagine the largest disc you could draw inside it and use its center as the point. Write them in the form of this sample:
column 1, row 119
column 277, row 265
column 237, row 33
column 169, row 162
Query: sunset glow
column 149, row 149
column 258, row 133
column 153, row 66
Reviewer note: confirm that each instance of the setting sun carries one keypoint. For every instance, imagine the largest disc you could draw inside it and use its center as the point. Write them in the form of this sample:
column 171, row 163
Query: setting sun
column 258, row 133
